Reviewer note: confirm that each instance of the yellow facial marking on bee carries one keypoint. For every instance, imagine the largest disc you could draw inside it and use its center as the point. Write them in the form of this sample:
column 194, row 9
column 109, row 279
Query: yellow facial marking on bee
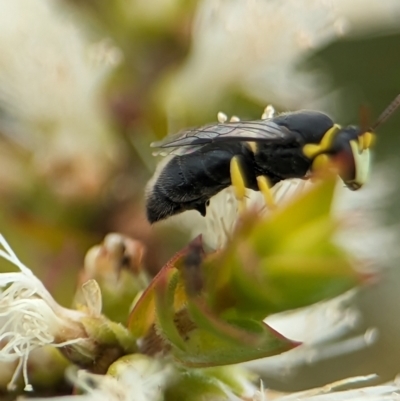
column 369, row 140
column 366, row 141
column 362, row 162
column 265, row 188
column 238, row 181
column 329, row 136
column 361, row 143
column 311, row 150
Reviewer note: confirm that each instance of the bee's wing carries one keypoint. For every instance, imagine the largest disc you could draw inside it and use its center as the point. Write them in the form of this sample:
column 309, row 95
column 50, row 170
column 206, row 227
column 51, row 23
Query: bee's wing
column 193, row 139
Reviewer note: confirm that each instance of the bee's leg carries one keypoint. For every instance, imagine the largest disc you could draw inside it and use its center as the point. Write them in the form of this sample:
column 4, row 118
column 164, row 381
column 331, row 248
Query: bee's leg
column 238, row 182
column 265, row 188
column 201, row 209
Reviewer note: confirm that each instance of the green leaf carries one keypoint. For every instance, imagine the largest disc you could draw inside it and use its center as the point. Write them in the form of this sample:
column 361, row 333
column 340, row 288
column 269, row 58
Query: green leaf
column 286, row 261
column 205, row 348
column 164, row 295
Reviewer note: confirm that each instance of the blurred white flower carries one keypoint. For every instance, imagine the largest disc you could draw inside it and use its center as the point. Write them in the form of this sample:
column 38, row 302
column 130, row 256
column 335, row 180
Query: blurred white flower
column 364, row 232
column 131, row 378
column 256, row 46
column 46, row 366
column 95, row 388
column 343, row 390
column 50, row 79
column 326, row 330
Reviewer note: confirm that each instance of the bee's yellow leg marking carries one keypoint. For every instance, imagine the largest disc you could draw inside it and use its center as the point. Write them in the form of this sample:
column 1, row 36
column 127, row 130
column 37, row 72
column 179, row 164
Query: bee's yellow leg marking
column 238, row 182
column 311, row 150
column 253, row 146
column 320, row 163
column 265, row 189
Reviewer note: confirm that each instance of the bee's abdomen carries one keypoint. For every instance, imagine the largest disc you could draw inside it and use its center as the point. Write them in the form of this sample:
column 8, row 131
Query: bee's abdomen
column 158, row 205
column 189, row 181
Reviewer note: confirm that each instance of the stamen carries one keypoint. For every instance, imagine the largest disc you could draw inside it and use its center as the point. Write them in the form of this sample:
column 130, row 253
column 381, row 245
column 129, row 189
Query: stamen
column 222, row 117
column 269, row 112
column 31, row 316
column 11, row 386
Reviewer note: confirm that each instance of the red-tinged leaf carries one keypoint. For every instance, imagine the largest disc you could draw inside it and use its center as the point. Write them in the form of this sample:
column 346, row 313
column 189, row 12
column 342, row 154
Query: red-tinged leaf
column 143, row 315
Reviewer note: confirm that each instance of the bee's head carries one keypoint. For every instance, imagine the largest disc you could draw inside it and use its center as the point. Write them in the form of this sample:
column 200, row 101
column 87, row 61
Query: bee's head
column 348, row 149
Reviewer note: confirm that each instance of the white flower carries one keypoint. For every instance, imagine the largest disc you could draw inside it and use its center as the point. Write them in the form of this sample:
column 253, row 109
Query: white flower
column 30, row 317
column 326, row 330
column 339, row 391
column 132, row 378
column 50, row 79
column 95, row 387
column 363, row 232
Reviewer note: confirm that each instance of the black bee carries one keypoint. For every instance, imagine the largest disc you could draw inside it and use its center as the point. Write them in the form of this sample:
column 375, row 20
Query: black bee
column 290, row 145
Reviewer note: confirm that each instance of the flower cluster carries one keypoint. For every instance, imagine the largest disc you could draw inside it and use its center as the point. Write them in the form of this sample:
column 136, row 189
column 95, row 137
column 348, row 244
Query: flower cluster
column 30, row 317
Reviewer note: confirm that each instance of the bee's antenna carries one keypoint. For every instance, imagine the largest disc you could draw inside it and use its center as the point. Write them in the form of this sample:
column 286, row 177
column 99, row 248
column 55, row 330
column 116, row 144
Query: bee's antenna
column 387, row 112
